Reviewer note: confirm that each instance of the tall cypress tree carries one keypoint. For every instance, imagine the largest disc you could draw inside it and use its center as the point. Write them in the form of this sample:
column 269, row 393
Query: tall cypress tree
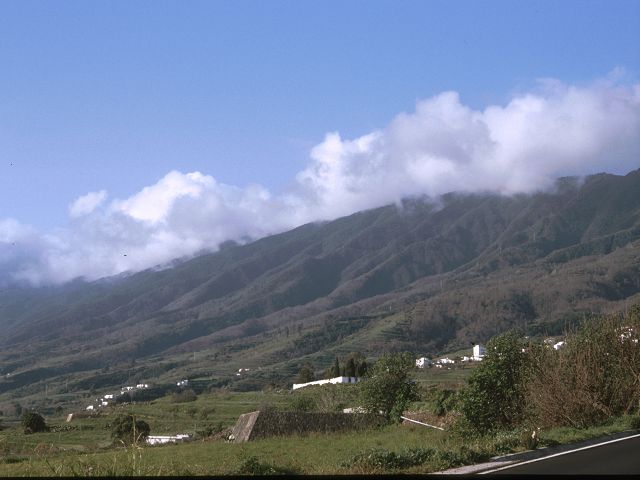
column 336, row 369
column 350, row 369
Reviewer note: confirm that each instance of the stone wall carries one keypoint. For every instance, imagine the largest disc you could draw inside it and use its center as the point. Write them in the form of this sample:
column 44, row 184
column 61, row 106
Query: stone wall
column 271, row 423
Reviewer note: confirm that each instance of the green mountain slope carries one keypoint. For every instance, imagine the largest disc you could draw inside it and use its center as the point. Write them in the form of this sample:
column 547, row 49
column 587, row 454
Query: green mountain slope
column 424, row 276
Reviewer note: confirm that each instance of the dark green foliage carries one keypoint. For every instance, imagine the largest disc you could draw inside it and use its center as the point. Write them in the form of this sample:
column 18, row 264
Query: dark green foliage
column 495, row 396
column 446, row 401
column 634, row 422
column 33, row 422
column 388, row 389
column 382, row 459
column 253, row 466
column 210, row 429
column 350, row 369
column 362, row 369
column 184, row 396
column 303, row 403
column 335, row 372
column 456, row 458
column 306, row 373
column 128, row 429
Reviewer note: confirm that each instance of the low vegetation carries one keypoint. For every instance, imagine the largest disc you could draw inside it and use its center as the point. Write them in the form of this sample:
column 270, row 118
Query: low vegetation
column 523, row 395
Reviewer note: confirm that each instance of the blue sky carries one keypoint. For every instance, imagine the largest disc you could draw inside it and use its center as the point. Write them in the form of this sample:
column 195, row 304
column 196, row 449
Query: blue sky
column 110, row 97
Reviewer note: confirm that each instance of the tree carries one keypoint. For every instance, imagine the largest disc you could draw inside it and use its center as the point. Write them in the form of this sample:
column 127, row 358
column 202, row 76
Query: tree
column 129, row 430
column 306, row 373
column 350, row 369
column 388, row 389
column 33, row 422
column 361, row 370
column 495, row 394
column 335, row 371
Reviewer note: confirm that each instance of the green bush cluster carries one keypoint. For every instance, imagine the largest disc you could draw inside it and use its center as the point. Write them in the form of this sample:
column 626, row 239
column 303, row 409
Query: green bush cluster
column 129, row 430
column 634, row 422
column 33, row 422
column 383, row 459
column 388, row 389
column 253, row 466
column 184, row 396
column 520, row 385
column 446, row 401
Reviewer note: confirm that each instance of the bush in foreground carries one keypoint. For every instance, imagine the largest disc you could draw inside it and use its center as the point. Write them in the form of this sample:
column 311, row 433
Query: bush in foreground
column 388, row 389
column 33, row 422
column 129, row 430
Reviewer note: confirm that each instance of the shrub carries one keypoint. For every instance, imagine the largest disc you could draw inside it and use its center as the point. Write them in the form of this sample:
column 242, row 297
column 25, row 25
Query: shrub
column 253, row 466
column 495, row 396
column 33, row 422
column 382, row 459
column 302, row 403
column 191, row 411
column 456, row 458
column 592, row 378
column 184, row 396
column 634, row 422
column 210, row 429
column 388, row 389
column 129, row 430
column 446, row 401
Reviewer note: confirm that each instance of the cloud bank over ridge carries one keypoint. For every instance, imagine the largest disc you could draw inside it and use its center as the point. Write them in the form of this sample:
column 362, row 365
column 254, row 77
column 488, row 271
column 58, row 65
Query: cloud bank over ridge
column 442, row 146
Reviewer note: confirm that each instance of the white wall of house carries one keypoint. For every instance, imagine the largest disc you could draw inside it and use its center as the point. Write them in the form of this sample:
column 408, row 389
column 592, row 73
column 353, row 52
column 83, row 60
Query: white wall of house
column 479, row 351
column 160, row 439
column 423, row 362
column 334, row 380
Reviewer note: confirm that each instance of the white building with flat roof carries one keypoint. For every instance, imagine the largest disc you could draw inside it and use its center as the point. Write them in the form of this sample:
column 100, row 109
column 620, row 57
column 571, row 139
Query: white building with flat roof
column 334, row 380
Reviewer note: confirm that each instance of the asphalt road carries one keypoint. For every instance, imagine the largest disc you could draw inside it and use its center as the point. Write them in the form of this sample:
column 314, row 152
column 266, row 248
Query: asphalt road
column 616, row 457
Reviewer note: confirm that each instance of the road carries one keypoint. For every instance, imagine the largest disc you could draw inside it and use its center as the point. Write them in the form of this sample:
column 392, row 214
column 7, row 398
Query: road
column 613, row 457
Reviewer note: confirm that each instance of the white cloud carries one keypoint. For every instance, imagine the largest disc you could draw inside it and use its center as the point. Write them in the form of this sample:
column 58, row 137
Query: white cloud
column 442, row 146
column 87, row 203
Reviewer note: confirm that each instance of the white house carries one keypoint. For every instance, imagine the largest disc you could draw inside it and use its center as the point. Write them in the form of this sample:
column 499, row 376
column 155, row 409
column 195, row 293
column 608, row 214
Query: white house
column 108, row 396
column 183, row 383
column 478, row 352
column 445, row 360
column 559, row 345
column 423, row 362
column 159, row 439
column 90, row 407
column 104, row 404
column 142, row 385
column 324, row 382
